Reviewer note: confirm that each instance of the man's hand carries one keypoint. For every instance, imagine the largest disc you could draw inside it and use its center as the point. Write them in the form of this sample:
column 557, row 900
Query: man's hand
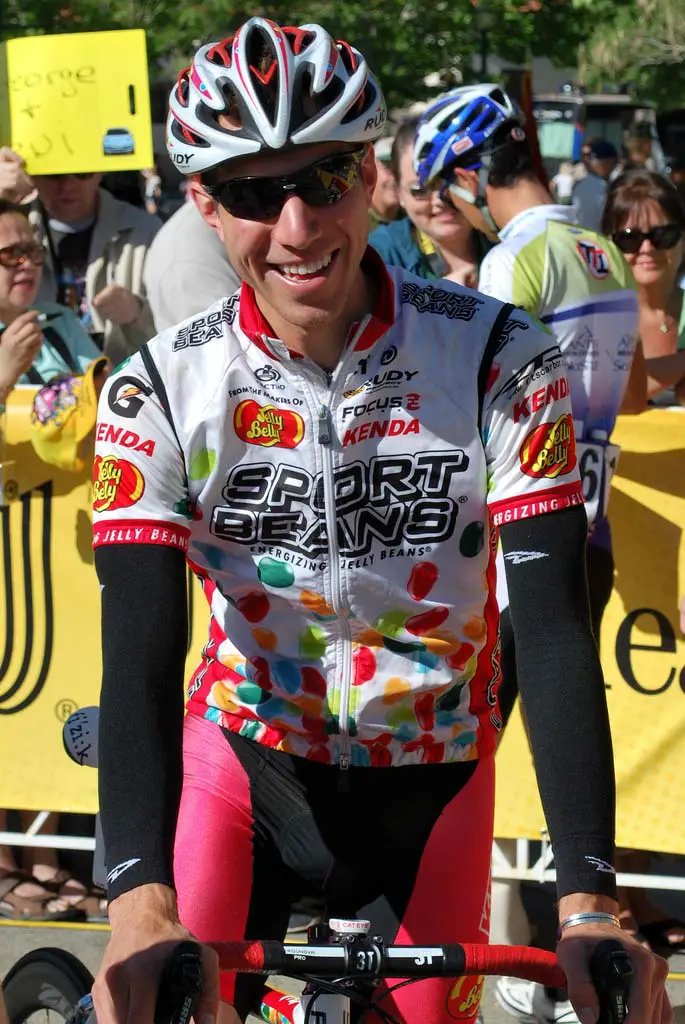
column 118, row 304
column 20, row 343
column 648, row 1002
column 145, row 929
column 15, row 183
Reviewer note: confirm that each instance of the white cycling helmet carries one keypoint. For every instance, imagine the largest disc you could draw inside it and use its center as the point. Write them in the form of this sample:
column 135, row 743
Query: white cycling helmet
column 459, row 127
column 276, row 87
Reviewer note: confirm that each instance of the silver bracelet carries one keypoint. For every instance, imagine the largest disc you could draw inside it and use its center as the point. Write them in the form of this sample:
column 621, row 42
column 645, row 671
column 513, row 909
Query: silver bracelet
column 591, row 917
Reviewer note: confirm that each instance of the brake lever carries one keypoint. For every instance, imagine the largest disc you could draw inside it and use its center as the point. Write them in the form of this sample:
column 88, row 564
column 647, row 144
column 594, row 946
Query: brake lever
column 180, row 986
column 611, row 972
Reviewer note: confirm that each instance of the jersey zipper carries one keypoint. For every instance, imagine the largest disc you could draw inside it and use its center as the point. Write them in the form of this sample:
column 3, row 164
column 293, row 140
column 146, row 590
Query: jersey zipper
column 325, row 439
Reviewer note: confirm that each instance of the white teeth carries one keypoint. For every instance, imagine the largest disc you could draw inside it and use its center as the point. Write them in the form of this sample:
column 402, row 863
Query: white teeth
column 301, row 269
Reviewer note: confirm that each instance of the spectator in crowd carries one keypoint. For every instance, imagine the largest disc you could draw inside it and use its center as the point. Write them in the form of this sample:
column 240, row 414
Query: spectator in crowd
column 385, row 202
column 186, row 250
column 638, row 147
column 37, row 342
column 561, row 185
column 152, row 189
column 645, row 216
column 589, row 194
column 434, row 240
column 676, row 171
column 95, row 249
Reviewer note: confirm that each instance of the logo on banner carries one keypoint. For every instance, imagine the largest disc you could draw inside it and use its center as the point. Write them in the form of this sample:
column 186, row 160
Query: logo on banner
column 267, row 425
column 548, row 450
column 117, row 484
column 32, row 651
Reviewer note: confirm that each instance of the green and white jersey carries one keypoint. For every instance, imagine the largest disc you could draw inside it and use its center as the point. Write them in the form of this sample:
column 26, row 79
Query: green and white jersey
column 579, row 285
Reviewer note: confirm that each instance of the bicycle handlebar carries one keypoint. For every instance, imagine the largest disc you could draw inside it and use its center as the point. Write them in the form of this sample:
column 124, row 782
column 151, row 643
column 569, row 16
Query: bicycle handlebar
column 376, row 960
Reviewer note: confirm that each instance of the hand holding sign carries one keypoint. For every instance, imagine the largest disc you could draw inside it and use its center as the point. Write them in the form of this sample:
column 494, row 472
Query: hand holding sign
column 15, row 184
column 118, row 304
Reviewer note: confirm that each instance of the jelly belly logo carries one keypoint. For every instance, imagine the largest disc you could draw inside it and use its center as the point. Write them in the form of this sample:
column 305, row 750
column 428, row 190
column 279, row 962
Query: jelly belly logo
column 268, row 426
column 548, row 450
column 117, row 484
column 464, row 997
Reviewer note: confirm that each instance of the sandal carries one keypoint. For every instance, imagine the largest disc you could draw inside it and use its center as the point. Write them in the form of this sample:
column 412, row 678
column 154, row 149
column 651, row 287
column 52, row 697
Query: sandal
column 90, row 902
column 40, row 906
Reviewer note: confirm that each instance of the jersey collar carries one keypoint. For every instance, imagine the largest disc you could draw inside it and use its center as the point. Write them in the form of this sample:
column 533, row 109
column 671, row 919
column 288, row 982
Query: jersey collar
column 548, row 211
column 361, row 336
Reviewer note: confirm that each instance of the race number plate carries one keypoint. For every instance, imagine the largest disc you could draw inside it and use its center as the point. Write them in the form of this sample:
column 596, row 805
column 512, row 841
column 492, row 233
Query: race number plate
column 597, row 462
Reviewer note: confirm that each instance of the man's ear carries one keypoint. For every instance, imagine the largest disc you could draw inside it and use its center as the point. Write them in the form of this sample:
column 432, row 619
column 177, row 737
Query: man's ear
column 467, row 180
column 369, row 173
column 206, row 205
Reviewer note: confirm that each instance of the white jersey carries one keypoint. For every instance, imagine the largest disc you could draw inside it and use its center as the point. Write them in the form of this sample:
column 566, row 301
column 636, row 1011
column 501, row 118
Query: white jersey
column 342, row 525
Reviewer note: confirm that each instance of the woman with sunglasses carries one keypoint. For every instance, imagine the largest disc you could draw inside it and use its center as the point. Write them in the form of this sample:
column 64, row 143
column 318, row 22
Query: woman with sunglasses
column 434, row 240
column 645, row 216
column 38, row 341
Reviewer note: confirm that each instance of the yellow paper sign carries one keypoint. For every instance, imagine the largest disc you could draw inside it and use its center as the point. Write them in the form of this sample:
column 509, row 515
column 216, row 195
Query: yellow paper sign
column 77, row 102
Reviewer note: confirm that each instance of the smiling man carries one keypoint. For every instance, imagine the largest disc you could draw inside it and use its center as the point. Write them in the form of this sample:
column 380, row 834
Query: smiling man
column 332, row 449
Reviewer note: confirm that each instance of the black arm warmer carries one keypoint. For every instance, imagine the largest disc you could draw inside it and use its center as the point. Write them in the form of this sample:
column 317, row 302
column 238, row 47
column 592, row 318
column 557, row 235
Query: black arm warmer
column 562, row 689
column 144, row 638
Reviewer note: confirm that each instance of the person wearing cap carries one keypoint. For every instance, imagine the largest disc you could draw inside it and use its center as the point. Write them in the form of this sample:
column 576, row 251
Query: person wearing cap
column 385, row 202
column 589, row 194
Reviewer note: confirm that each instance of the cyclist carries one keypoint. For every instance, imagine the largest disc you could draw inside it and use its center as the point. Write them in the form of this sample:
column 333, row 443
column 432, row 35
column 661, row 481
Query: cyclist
column 471, row 145
column 314, row 445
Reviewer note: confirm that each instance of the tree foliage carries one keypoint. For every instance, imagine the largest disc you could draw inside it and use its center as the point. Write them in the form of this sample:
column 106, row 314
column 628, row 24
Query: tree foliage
column 404, row 40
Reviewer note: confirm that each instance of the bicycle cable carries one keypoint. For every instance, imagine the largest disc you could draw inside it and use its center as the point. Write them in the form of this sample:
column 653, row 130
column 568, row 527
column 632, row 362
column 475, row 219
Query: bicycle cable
column 338, row 988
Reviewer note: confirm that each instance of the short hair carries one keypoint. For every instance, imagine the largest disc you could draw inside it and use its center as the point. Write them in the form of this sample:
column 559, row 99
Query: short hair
column 8, row 206
column 633, row 188
column 511, row 162
column 403, row 137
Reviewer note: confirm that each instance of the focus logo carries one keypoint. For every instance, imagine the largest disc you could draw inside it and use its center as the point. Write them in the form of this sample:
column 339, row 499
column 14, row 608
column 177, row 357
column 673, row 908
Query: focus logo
column 117, row 484
column 464, row 997
column 549, row 450
column 268, row 426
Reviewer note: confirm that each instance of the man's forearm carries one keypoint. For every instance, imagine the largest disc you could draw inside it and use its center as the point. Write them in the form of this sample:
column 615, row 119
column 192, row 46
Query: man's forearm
column 144, row 632
column 562, row 688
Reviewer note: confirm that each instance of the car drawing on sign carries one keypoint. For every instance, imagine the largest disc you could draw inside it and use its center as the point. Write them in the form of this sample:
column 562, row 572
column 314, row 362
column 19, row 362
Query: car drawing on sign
column 118, row 142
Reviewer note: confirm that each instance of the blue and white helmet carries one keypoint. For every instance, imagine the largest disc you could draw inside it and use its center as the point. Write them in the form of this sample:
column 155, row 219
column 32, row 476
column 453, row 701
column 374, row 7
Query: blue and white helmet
column 456, row 129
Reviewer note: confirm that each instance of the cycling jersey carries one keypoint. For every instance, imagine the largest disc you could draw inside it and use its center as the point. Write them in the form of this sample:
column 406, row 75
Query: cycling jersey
column 342, row 525
column 578, row 283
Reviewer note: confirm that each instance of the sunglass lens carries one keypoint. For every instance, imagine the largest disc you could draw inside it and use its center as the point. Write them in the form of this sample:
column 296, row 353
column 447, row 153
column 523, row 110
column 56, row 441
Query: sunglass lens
column 251, row 200
column 666, row 236
column 629, row 241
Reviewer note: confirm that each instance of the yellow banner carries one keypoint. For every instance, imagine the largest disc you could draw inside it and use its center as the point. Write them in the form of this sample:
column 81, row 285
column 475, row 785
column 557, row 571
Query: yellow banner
column 643, row 652
column 77, row 102
column 50, row 658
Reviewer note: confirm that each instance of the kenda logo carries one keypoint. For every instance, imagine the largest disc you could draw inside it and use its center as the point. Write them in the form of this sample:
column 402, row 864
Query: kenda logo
column 125, row 438
column 381, row 428
column 539, row 399
column 387, row 501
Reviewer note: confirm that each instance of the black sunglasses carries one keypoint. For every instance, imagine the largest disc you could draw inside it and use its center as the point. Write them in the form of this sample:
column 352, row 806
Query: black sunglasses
column 13, row 256
column 664, row 236
column 319, row 184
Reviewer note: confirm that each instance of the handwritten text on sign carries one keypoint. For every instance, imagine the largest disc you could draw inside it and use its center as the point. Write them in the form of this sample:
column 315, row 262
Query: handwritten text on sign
column 64, row 82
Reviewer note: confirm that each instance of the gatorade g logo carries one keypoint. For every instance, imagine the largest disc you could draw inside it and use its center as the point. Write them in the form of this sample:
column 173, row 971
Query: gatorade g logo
column 549, row 450
column 464, row 997
column 124, row 398
column 268, row 426
column 117, row 484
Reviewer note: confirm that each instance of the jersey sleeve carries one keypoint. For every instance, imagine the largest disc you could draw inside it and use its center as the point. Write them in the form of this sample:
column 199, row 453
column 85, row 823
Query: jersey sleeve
column 507, row 277
column 140, row 492
column 527, row 426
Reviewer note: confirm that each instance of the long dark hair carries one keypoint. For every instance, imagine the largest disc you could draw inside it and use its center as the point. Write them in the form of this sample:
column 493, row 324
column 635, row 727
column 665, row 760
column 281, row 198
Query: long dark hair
column 633, row 188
